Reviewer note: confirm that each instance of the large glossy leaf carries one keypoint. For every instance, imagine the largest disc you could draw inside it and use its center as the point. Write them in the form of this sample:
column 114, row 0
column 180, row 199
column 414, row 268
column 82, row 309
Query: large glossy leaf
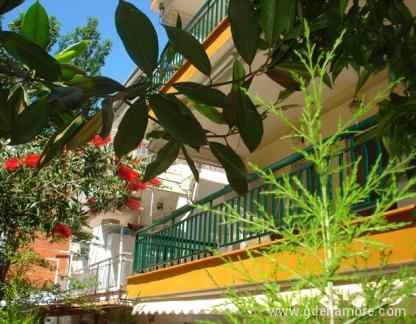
column 208, row 111
column 131, row 128
column 35, row 25
column 67, row 97
column 203, row 94
column 244, row 28
column 178, row 123
column 97, row 85
column 31, row 54
column 276, row 17
column 7, row 5
column 138, row 35
column 283, row 74
column 239, row 185
column 232, row 163
column 190, row 162
column 72, row 51
column 69, row 71
column 238, row 75
column 108, row 117
column 165, row 158
column 249, row 122
column 57, row 143
column 31, row 121
column 87, row 131
column 190, row 48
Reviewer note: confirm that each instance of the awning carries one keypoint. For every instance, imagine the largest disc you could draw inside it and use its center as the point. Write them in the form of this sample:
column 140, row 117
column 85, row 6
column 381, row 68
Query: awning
column 222, row 305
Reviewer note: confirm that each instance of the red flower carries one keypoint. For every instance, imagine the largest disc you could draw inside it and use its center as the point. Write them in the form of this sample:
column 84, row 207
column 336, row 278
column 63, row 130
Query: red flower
column 133, row 203
column 136, row 185
column 155, row 182
column 62, row 230
column 32, row 160
column 128, row 174
column 12, row 164
column 98, row 141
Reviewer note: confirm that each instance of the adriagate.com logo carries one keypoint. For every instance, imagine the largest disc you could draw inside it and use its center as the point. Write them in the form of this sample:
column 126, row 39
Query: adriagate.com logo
column 338, row 312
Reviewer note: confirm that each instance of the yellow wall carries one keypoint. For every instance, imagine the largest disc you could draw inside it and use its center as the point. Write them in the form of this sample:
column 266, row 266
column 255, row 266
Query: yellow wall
column 198, row 276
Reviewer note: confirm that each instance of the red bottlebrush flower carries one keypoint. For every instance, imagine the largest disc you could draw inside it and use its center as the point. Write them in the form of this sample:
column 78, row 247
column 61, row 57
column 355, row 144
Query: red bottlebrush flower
column 128, row 174
column 62, row 230
column 32, row 160
column 133, row 204
column 12, row 164
column 98, row 141
column 136, row 185
column 155, row 182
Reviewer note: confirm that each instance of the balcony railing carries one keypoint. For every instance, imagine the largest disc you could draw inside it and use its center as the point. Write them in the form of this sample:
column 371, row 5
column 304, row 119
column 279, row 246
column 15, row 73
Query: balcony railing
column 190, row 233
column 102, row 278
column 208, row 17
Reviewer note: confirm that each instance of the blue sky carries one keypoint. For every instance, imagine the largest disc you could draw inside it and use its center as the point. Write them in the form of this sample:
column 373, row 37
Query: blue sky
column 73, row 13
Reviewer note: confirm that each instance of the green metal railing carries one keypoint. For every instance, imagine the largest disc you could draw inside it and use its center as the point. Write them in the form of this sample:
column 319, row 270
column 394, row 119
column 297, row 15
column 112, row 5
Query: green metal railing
column 208, row 17
column 189, row 233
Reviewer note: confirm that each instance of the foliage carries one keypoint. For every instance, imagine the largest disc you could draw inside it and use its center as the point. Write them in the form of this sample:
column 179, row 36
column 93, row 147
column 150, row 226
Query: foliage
column 330, row 238
column 275, row 27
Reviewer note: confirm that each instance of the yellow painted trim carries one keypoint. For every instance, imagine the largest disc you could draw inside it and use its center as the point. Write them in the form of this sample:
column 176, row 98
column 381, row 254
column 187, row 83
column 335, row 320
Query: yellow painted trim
column 199, row 275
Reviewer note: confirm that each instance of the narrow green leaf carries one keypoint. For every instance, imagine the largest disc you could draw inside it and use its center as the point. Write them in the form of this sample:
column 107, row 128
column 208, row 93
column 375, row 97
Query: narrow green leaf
column 244, row 28
column 31, row 121
column 138, row 36
column 238, row 75
column 97, row 85
column 7, row 5
column 72, row 51
column 342, row 7
column 362, row 79
column 232, row 163
column 190, row 163
column 35, row 25
column 276, row 17
column 59, row 140
column 249, row 122
column 31, row 54
column 87, row 131
column 208, row 111
column 165, row 158
column 203, row 94
column 187, row 45
column 132, row 128
column 180, row 124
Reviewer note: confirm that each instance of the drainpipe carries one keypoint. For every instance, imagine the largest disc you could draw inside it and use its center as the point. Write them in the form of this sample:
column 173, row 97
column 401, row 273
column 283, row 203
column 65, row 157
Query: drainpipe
column 120, row 258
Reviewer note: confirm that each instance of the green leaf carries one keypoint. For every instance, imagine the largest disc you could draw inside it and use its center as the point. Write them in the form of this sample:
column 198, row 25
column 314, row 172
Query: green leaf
column 7, row 5
column 165, row 158
column 208, row 111
column 59, row 140
column 108, row 117
column 232, row 163
column 283, row 74
column 72, row 51
column 35, row 25
column 180, row 124
column 132, row 128
column 238, row 75
column 31, row 121
column 190, row 163
column 276, row 17
column 138, row 36
column 98, row 85
column 239, row 185
column 67, row 97
column 203, row 94
column 69, row 71
column 244, row 28
column 249, row 122
column 6, row 113
column 362, row 79
column 187, row 45
column 31, row 54
column 87, row 131
column 17, row 101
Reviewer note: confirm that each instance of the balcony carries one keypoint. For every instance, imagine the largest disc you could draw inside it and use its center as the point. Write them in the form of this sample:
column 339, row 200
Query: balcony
column 103, row 280
column 191, row 233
